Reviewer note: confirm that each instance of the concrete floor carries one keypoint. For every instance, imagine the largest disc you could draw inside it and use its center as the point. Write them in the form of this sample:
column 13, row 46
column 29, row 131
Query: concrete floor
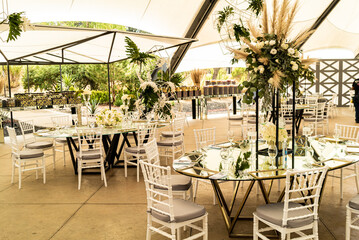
column 57, row 210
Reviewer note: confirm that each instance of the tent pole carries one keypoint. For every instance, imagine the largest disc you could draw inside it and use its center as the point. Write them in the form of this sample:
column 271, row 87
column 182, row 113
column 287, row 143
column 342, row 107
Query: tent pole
column 28, row 82
column 60, row 78
column 109, row 86
column 8, row 82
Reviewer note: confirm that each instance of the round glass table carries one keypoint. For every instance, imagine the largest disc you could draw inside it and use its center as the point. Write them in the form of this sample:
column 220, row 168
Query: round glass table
column 207, row 164
column 110, row 138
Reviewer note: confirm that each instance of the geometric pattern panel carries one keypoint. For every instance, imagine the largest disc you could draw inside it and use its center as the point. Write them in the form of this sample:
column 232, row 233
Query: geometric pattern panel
column 334, row 76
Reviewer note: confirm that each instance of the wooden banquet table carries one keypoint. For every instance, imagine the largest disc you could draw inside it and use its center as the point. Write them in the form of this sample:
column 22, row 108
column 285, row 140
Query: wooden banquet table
column 205, row 164
column 110, row 138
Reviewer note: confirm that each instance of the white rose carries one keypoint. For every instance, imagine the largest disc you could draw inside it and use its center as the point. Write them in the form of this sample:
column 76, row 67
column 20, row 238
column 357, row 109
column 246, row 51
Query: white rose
column 295, row 67
column 285, row 46
column 291, row 51
column 255, row 69
column 292, row 62
column 273, row 51
column 261, row 69
column 272, row 42
column 266, row 42
column 253, row 60
column 270, row 81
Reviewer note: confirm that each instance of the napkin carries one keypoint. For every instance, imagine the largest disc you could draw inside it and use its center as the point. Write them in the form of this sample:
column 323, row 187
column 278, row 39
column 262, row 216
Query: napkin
column 219, row 175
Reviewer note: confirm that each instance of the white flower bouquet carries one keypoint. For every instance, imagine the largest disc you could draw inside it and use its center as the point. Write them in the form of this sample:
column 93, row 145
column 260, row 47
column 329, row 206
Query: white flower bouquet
column 268, row 131
column 108, row 118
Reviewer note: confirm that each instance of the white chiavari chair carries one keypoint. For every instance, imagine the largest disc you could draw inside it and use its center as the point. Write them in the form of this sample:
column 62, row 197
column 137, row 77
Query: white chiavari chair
column 172, row 143
column 132, row 155
column 347, row 132
column 234, row 120
column 31, row 143
column 291, row 216
column 352, row 209
column 25, row 160
column 171, row 213
column 90, row 154
column 318, row 119
column 61, row 122
column 181, row 185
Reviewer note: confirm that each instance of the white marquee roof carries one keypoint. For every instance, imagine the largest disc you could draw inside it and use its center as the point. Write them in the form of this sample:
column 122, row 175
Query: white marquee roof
column 173, row 18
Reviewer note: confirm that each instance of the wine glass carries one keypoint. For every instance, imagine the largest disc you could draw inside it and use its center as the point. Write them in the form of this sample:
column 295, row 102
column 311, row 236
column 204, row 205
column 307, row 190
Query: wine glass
column 230, row 135
column 272, row 152
column 336, row 136
column 224, row 155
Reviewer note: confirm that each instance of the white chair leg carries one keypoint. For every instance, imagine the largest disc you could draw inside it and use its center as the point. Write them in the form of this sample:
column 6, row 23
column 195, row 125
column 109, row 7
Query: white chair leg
column 20, row 176
column 347, row 224
column 356, row 177
column 125, row 164
column 205, row 228
column 178, row 233
column 44, row 169
column 79, row 172
column 149, row 223
column 341, row 183
column 64, row 153
column 12, row 171
column 104, row 174
column 255, row 227
column 315, row 230
column 53, row 156
column 173, row 233
column 138, row 169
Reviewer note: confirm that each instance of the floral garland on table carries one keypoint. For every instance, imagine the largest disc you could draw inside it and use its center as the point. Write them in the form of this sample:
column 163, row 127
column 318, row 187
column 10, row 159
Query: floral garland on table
column 268, row 131
column 272, row 60
column 243, row 161
column 109, row 118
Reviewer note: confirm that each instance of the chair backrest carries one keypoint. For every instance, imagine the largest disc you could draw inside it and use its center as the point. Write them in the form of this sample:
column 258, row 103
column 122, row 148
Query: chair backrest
column 180, row 115
column 61, row 121
column 178, row 126
column 145, row 133
column 155, row 175
column 90, row 139
column 297, row 183
column 348, row 132
column 151, row 149
column 320, row 111
column 27, row 130
column 15, row 148
column 204, row 137
column 286, row 110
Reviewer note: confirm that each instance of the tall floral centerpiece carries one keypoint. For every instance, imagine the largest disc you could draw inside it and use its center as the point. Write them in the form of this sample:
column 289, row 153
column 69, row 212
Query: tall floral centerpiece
column 109, row 118
column 273, row 57
column 157, row 84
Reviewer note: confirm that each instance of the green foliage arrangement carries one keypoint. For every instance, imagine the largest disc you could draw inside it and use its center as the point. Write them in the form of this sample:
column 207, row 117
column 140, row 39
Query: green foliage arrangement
column 133, row 52
column 223, row 16
column 15, row 22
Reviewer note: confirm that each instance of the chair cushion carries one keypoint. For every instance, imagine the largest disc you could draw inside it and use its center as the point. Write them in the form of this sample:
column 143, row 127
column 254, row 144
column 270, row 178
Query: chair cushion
column 179, row 183
column 169, row 143
column 354, row 203
column 252, row 121
column 170, row 133
column 183, row 211
column 39, row 145
column 312, row 120
column 89, row 154
column 236, row 117
column 63, row 140
column 34, row 153
column 135, row 150
column 274, row 213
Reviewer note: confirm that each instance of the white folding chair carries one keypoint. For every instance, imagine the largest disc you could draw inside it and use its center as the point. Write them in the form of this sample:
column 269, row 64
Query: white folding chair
column 172, row 143
column 181, row 185
column 171, row 213
column 347, row 132
column 352, row 208
column 298, row 212
column 90, row 154
column 145, row 133
column 61, row 121
column 31, row 143
column 25, row 160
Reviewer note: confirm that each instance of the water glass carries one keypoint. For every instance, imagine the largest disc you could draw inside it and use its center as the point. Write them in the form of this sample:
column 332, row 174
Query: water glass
column 272, row 153
column 230, row 136
column 224, row 155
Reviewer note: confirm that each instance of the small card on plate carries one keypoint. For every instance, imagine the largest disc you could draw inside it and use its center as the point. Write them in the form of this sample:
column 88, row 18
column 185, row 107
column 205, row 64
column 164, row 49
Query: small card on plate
column 219, row 175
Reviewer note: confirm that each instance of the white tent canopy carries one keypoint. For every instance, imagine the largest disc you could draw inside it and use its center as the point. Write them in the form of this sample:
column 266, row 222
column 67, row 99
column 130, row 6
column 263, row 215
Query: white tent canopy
column 53, row 45
column 174, row 18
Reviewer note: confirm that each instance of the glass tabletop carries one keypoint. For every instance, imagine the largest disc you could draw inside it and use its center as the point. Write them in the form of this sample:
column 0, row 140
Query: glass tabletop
column 208, row 163
column 70, row 131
